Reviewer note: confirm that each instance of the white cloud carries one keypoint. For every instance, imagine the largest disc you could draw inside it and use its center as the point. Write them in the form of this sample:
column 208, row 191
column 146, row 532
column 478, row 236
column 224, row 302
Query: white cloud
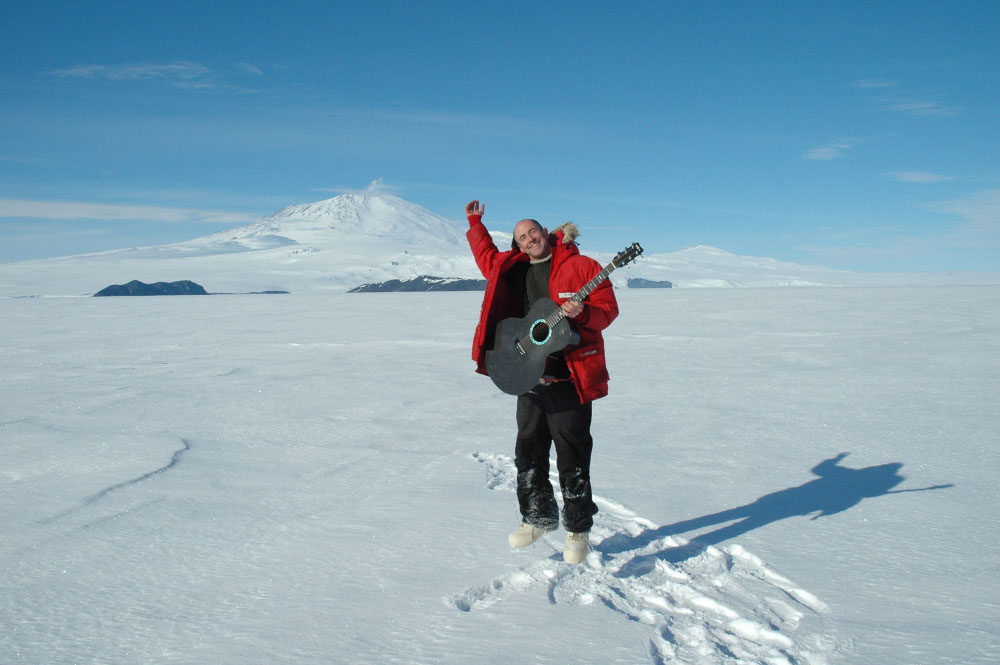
column 974, row 225
column 980, row 212
column 17, row 159
column 892, row 96
column 115, row 211
column 867, row 84
column 921, row 107
column 832, row 150
column 379, row 185
column 177, row 74
column 249, row 69
column 374, row 187
column 918, row 176
column 180, row 73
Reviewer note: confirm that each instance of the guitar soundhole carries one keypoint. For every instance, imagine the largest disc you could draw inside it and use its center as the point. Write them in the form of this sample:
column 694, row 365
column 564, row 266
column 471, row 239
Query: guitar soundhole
column 540, row 332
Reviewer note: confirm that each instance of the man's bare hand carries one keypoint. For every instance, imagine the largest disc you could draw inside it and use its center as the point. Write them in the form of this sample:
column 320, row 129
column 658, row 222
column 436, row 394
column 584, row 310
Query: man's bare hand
column 475, row 208
column 572, row 309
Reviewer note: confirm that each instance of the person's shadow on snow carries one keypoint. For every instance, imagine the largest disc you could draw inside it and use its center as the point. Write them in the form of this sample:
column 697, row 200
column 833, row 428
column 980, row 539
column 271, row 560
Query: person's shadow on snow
column 835, row 490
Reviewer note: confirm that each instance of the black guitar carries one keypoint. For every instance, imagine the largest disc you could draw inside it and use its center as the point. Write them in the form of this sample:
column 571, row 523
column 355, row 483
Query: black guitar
column 517, row 361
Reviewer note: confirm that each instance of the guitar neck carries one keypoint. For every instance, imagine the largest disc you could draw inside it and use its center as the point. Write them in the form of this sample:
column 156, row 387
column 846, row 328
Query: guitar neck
column 558, row 315
column 593, row 283
column 623, row 258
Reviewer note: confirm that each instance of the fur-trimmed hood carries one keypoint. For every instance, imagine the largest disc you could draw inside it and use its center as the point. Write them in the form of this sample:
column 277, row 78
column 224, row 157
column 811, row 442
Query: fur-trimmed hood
column 569, row 233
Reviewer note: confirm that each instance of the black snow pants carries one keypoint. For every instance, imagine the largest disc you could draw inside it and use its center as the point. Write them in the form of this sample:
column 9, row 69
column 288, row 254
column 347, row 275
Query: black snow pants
column 547, row 414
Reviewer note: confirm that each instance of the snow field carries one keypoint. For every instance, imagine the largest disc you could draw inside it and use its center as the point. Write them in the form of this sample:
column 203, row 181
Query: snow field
column 316, row 479
column 690, row 600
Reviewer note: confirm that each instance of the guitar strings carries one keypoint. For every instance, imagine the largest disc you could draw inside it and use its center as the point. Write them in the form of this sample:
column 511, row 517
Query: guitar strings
column 558, row 315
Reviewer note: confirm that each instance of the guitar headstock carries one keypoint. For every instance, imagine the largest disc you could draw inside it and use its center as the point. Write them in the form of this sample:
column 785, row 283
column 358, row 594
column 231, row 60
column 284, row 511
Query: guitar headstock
column 627, row 255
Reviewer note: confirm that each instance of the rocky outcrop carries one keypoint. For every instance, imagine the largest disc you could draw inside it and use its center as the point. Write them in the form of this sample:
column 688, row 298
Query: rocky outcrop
column 640, row 283
column 422, row 283
column 137, row 288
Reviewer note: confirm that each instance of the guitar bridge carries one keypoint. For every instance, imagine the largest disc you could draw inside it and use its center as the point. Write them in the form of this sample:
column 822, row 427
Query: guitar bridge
column 520, row 349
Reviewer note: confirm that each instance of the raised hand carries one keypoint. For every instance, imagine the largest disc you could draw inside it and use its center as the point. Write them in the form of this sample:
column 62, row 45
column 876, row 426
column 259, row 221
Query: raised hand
column 475, row 208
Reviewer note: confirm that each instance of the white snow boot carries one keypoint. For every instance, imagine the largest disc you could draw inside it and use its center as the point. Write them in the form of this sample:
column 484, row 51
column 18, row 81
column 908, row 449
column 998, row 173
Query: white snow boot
column 577, row 546
column 525, row 535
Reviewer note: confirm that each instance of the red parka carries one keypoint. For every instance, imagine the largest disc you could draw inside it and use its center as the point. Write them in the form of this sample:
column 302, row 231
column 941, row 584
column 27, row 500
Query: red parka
column 569, row 272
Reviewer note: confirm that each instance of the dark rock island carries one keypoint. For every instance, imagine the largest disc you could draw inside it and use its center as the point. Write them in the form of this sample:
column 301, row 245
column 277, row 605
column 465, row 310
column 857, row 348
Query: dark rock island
column 422, row 283
column 137, row 288
column 640, row 283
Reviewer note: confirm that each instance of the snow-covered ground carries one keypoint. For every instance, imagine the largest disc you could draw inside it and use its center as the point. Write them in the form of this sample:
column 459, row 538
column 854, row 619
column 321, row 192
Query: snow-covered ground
column 787, row 475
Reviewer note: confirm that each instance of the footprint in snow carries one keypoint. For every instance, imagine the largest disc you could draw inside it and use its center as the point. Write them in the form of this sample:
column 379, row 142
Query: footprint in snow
column 715, row 604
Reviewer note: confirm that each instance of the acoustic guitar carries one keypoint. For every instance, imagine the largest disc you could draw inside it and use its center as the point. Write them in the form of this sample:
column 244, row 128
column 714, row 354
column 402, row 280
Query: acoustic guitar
column 517, row 362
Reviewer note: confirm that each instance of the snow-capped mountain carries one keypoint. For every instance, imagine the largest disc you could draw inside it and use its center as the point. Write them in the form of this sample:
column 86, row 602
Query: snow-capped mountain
column 334, row 244
column 375, row 216
column 353, row 239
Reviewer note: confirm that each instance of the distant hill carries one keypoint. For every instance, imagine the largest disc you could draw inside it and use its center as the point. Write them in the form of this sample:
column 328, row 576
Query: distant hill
column 137, row 288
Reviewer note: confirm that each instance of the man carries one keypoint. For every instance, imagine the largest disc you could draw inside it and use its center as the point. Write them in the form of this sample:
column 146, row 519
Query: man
column 540, row 264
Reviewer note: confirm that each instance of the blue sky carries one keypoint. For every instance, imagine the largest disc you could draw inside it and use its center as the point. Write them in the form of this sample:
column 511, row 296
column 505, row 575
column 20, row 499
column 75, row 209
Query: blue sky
column 857, row 135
